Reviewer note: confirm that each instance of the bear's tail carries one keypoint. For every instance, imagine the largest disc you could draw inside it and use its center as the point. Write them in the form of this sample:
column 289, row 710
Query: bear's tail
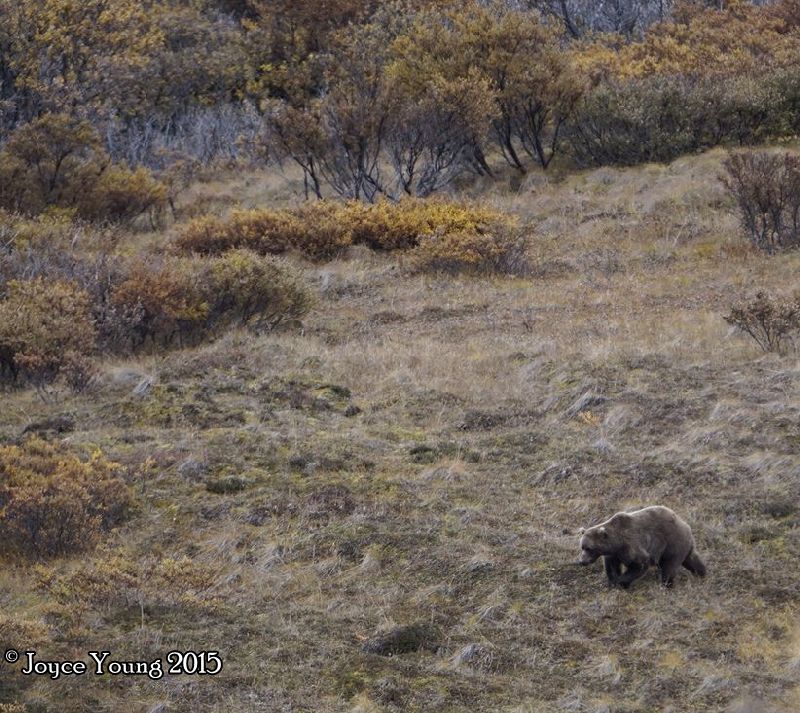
column 694, row 564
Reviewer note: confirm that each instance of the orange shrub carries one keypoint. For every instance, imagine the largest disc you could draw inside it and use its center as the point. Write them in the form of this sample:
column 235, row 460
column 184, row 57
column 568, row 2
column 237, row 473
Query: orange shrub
column 184, row 299
column 766, row 187
column 54, row 503
column 161, row 304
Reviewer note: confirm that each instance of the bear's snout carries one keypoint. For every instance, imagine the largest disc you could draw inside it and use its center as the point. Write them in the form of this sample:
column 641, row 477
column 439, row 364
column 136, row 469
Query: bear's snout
column 587, row 557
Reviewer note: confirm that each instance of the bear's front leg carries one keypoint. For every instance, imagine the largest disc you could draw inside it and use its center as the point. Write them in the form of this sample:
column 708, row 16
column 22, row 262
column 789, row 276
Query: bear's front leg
column 635, row 571
column 613, row 570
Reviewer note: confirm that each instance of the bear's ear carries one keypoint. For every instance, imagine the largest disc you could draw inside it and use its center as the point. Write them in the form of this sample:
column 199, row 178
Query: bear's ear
column 581, row 530
column 602, row 532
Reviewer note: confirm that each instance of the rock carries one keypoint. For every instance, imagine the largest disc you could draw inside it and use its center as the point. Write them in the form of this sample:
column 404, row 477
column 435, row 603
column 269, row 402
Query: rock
column 326, row 280
column 422, row 453
column 493, row 612
column 402, row 640
column 56, row 424
column 475, row 656
column 273, row 555
column 273, row 507
column 215, row 512
column 352, row 410
column 713, row 684
column 751, row 705
column 371, row 564
column 554, row 473
column 390, row 692
column 144, row 386
column 482, row 420
column 192, row 469
column 123, row 377
column 224, row 486
column 330, row 500
column 587, row 400
column 603, row 445
column 479, row 564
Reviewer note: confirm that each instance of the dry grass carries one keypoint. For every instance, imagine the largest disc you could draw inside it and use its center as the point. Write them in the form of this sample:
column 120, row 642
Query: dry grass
column 496, row 417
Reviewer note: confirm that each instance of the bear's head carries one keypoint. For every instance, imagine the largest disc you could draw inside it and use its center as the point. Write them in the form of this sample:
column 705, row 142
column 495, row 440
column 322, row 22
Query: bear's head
column 595, row 542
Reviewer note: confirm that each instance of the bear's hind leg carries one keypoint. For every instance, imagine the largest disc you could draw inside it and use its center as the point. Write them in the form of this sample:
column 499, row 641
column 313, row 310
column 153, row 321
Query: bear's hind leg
column 668, row 567
column 613, row 570
column 694, row 564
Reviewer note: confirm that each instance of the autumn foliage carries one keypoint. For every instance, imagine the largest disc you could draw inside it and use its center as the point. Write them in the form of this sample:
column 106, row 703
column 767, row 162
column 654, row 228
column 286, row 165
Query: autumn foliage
column 60, row 310
column 54, row 503
column 46, row 327
column 373, row 100
column 701, row 40
column 58, row 161
column 473, row 236
column 248, row 290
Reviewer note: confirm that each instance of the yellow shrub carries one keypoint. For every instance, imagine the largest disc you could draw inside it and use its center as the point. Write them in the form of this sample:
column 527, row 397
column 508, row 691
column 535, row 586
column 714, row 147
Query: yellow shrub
column 454, row 217
column 699, row 40
column 268, row 231
column 321, row 230
column 52, row 502
column 44, row 325
column 113, row 579
column 121, row 194
column 206, row 235
column 54, row 227
column 502, row 250
column 248, row 289
column 313, row 230
column 399, row 226
column 385, row 226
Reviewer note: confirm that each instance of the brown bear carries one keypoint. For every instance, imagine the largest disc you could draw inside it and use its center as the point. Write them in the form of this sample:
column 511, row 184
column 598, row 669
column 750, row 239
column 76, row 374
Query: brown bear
column 651, row 536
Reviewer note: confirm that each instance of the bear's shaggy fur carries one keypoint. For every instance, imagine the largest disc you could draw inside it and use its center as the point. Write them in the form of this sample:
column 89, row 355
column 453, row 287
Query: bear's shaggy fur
column 651, row 536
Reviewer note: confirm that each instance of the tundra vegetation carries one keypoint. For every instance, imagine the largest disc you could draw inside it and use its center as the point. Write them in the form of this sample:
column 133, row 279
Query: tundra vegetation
column 322, row 332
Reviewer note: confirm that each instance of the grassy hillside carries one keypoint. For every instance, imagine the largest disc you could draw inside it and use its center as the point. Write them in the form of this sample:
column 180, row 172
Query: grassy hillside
column 422, row 455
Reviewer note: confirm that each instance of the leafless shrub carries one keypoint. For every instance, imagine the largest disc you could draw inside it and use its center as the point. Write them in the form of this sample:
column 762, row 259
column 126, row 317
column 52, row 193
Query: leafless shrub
column 766, row 187
column 205, row 135
column 770, row 321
